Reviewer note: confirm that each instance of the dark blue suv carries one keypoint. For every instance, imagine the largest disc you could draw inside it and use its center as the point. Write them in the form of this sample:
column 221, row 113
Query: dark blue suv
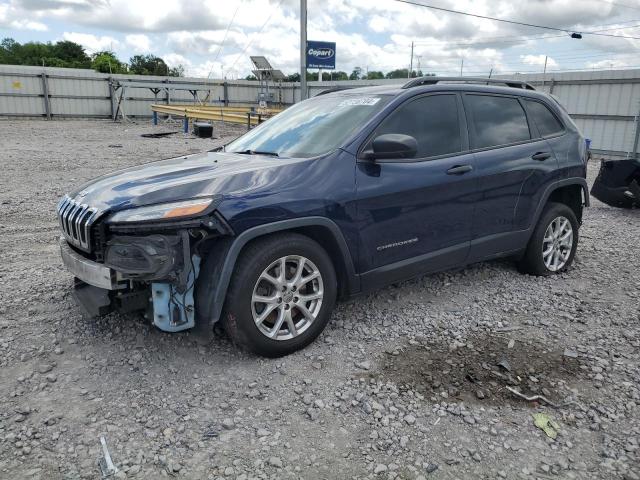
column 337, row 195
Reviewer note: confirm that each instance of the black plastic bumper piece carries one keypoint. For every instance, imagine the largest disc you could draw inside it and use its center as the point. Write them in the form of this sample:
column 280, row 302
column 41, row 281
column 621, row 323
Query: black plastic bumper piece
column 93, row 300
column 617, row 183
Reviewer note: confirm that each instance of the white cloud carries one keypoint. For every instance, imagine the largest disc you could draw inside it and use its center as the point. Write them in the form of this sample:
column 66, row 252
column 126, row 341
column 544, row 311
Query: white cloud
column 91, row 42
column 374, row 34
column 611, row 63
column 379, row 24
column 175, row 59
column 28, row 25
column 9, row 21
column 539, row 60
column 140, row 43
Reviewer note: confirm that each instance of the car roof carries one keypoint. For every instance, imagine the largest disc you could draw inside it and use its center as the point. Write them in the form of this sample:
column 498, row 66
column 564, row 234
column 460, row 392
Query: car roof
column 399, row 90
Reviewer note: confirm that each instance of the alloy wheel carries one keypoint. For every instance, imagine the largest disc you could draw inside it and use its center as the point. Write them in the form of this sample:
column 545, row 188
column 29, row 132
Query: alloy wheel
column 557, row 243
column 287, row 297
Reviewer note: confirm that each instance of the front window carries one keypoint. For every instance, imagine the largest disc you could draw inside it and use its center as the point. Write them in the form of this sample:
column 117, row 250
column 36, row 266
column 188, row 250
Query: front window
column 313, row 127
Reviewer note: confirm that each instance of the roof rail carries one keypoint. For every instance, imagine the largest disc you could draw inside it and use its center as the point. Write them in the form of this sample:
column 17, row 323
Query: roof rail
column 336, row 89
column 416, row 82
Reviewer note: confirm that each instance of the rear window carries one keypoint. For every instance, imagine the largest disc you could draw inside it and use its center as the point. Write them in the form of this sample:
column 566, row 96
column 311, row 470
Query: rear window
column 544, row 119
column 497, row 120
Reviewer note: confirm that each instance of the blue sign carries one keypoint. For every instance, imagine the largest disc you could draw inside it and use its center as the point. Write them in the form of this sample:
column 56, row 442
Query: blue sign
column 321, row 55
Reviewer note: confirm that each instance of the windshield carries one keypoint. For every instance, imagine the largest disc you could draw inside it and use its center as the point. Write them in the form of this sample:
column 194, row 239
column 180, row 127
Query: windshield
column 312, row 127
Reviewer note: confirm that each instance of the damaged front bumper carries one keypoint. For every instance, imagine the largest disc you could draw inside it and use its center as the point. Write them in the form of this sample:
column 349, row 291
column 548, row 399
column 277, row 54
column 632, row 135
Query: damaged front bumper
column 153, row 273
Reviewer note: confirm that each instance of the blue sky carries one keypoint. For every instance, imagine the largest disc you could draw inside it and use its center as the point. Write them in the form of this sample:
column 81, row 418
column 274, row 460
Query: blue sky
column 217, row 37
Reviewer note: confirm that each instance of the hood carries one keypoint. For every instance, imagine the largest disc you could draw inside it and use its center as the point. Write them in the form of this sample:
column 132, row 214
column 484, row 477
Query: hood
column 180, row 178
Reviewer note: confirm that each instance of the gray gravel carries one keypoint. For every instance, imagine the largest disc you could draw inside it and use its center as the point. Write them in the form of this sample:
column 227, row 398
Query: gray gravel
column 406, row 383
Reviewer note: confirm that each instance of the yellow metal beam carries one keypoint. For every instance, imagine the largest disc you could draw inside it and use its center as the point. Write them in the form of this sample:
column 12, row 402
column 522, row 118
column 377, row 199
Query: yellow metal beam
column 213, row 112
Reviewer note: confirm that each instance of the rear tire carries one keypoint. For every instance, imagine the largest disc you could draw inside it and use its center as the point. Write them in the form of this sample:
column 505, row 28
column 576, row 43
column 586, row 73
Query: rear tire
column 272, row 313
column 553, row 244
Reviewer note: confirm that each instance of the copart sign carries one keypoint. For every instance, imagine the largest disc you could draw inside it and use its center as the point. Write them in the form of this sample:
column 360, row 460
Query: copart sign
column 321, row 55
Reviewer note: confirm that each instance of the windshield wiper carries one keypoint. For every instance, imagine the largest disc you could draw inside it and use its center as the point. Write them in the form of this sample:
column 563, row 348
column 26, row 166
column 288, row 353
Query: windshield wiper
column 257, row 152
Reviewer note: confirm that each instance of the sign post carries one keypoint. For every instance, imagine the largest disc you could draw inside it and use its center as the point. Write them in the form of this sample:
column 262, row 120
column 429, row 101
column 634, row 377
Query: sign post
column 303, row 46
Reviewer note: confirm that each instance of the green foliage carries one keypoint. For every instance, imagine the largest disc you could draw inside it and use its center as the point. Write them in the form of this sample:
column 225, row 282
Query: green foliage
column 60, row 54
column 375, row 75
column 250, row 77
column 402, row 73
column 152, row 65
column 398, row 73
column 356, row 74
column 107, row 62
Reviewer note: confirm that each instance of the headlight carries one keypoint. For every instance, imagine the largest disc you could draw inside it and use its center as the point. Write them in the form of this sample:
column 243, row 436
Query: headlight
column 162, row 211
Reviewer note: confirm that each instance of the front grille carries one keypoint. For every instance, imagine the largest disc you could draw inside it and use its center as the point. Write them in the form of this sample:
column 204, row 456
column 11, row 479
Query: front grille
column 76, row 220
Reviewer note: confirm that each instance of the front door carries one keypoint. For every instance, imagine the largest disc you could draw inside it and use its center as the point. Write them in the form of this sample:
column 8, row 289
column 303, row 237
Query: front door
column 414, row 215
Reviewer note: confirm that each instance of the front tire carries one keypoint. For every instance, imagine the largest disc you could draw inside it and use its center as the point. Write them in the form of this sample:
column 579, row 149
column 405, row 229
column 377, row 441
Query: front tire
column 552, row 246
column 281, row 295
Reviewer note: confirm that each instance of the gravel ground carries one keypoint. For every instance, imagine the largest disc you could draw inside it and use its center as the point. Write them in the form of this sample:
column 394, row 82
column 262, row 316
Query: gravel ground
column 407, row 383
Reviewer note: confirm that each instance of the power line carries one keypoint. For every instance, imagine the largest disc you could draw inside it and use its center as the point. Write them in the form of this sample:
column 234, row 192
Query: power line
column 484, row 40
column 225, row 37
column 259, row 32
column 618, row 4
column 513, row 22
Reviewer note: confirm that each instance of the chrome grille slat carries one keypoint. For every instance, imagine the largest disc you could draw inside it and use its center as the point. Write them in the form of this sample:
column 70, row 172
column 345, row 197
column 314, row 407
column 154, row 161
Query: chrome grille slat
column 76, row 220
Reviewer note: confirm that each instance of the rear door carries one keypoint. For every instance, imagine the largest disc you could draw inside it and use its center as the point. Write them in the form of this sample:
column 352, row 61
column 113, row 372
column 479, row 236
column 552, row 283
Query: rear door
column 414, row 215
column 512, row 163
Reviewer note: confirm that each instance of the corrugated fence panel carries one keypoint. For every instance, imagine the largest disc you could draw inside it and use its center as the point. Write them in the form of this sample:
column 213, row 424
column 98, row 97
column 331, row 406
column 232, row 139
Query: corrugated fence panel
column 604, row 103
column 21, row 95
column 614, row 135
column 80, row 107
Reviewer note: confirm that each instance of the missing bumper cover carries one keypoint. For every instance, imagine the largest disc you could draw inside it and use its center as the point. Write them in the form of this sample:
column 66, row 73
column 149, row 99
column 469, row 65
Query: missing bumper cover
column 151, row 257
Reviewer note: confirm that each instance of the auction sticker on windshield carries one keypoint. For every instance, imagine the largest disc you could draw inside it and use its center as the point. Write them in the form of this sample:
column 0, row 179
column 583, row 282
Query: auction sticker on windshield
column 359, row 101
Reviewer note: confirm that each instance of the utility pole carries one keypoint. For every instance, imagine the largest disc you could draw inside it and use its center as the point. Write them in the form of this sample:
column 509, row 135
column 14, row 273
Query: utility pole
column 411, row 63
column 461, row 65
column 544, row 72
column 303, row 49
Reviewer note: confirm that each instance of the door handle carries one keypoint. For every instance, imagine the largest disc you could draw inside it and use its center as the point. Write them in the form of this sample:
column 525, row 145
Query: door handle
column 540, row 156
column 459, row 170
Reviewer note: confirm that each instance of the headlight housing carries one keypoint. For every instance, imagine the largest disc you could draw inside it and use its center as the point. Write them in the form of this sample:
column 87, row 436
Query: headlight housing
column 163, row 211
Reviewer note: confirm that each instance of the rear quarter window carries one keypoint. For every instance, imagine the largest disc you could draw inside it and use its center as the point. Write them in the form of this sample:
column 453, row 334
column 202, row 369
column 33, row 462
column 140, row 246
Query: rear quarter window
column 545, row 120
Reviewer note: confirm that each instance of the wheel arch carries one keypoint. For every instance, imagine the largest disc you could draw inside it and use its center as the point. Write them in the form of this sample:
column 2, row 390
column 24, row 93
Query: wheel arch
column 213, row 282
column 573, row 192
column 572, row 196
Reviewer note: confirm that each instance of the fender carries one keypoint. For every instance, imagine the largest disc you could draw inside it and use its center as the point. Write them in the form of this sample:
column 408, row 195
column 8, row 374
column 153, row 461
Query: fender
column 554, row 186
column 212, row 285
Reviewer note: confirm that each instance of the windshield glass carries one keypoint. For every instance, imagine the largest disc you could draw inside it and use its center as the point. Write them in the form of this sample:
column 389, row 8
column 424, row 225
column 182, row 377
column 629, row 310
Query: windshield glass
column 312, row 127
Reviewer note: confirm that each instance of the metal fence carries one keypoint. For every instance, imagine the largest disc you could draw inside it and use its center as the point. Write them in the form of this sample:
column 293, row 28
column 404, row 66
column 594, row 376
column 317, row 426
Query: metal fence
column 604, row 104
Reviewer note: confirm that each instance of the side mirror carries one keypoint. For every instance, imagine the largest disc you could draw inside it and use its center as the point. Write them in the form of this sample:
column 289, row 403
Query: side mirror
column 393, row 145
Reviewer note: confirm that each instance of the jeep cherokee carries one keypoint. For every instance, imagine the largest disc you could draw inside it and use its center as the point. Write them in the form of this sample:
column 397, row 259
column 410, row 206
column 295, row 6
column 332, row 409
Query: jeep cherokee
column 338, row 195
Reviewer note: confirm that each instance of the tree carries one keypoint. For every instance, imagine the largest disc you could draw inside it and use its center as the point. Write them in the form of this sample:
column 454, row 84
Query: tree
column 107, row 62
column 61, row 54
column 375, row 75
column 398, row 73
column 340, row 75
column 250, row 77
column 177, row 71
column 356, row 74
column 148, row 65
column 71, row 53
column 294, row 77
